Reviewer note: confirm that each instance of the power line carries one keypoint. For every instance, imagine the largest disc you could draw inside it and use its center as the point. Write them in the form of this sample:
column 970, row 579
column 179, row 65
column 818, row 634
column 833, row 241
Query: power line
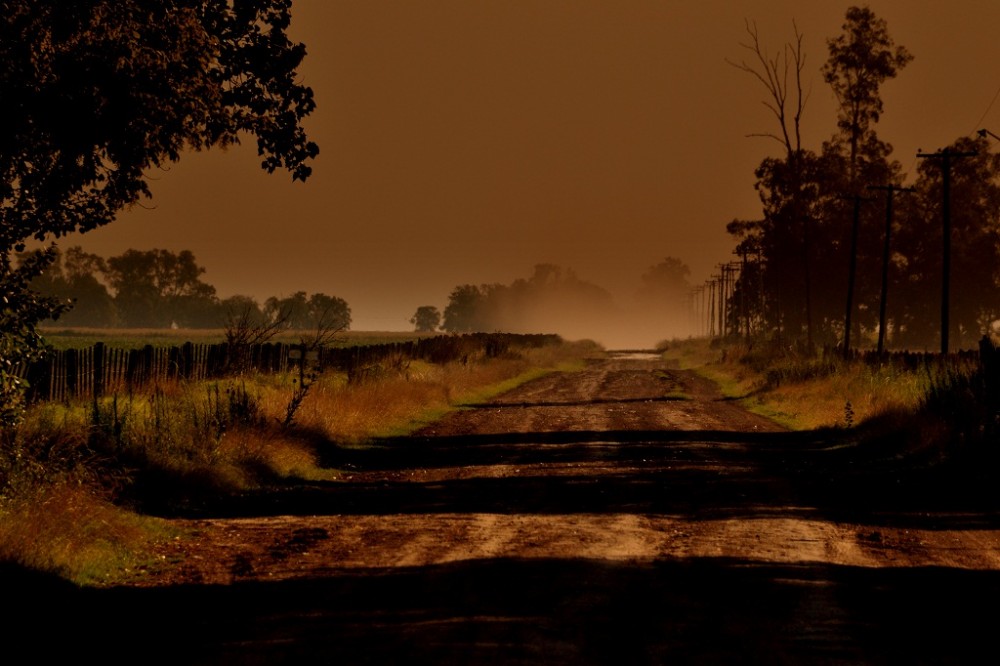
column 990, row 106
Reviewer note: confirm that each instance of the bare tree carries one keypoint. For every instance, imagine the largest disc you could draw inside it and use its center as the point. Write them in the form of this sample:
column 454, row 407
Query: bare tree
column 781, row 76
column 787, row 99
column 329, row 323
column 245, row 328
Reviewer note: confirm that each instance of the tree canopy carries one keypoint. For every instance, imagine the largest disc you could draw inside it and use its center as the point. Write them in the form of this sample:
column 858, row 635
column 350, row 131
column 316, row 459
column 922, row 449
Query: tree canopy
column 97, row 93
column 426, row 319
column 820, row 219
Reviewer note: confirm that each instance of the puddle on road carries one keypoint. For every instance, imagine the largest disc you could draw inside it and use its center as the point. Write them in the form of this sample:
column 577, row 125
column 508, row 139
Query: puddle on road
column 634, row 354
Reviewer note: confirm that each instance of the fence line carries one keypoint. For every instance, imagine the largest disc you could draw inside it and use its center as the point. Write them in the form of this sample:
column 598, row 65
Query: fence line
column 98, row 370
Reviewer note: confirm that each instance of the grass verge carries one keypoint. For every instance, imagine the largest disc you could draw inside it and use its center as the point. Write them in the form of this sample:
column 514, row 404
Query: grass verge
column 78, row 480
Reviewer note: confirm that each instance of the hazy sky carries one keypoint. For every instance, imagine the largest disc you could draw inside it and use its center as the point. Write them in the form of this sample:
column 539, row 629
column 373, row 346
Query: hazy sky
column 465, row 141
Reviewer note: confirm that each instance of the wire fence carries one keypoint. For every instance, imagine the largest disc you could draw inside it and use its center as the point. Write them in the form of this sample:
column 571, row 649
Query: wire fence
column 99, row 369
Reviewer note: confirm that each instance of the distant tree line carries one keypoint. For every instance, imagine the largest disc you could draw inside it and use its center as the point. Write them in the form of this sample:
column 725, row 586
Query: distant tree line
column 160, row 289
column 555, row 299
column 828, row 249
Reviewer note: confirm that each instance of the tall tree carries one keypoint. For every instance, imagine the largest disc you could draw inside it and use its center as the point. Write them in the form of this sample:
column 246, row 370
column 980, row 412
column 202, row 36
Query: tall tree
column 75, row 276
column 463, row 312
column 98, row 93
column 302, row 311
column 810, row 199
column 157, row 288
column 782, row 182
column 862, row 58
column 975, row 250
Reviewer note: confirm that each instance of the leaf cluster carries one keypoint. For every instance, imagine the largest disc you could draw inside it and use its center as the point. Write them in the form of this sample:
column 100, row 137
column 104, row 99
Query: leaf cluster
column 99, row 92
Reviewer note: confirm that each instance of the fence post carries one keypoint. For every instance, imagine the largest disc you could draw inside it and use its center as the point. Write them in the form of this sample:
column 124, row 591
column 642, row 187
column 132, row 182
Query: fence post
column 989, row 360
column 98, row 355
column 72, row 358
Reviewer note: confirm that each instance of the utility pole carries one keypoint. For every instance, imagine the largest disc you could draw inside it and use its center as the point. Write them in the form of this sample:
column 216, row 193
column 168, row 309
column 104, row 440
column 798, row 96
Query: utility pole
column 736, row 314
column 946, row 157
column 725, row 323
column 852, row 270
column 720, row 302
column 711, row 307
column 889, row 190
column 742, row 252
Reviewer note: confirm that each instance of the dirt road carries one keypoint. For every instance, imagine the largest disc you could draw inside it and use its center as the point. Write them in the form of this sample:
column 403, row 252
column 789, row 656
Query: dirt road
column 624, row 514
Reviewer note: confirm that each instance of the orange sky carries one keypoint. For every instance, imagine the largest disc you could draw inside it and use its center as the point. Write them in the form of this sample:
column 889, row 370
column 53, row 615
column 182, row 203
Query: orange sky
column 465, row 141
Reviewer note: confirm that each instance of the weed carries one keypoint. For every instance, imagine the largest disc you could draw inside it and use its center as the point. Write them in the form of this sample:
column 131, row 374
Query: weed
column 66, row 473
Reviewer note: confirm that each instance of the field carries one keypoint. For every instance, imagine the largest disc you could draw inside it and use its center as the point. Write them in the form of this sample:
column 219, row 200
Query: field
column 134, row 338
column 80, row 479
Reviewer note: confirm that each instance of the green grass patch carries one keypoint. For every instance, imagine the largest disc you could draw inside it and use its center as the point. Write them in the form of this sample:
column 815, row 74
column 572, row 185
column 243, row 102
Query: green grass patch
column 67, row 530
column 801, row 392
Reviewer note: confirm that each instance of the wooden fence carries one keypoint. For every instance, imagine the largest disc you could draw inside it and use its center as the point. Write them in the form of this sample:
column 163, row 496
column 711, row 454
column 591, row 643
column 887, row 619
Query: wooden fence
column 100, row 370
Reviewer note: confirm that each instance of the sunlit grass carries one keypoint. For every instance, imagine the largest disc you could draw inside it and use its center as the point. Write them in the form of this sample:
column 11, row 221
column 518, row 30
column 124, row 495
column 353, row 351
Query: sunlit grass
column 802, row 393
column 398, row 404
column 71, row 471
column 66, row 529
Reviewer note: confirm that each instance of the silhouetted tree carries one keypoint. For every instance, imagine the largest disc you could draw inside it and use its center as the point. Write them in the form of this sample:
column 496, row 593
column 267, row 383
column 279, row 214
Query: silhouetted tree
column 329, row 312
column 782, row 182
column 75, row 276
column 426, row 319
column 975, row 250
column 301, row 311
column 155, row 288
column 462, row 314
column 861, row 59
column 98, row 94
column 807, row 196
column 242, row 308
column 665, row 284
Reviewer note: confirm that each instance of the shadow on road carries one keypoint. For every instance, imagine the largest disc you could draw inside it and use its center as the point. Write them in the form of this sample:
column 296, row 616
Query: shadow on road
column 704, row 475
column 706, row 611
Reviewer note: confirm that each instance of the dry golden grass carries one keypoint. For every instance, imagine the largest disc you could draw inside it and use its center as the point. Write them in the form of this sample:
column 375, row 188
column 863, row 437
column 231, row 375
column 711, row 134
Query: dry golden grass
column 58, row 475
column 852, row 395
column 67, row 529
column 803, row 393
column 399, row 402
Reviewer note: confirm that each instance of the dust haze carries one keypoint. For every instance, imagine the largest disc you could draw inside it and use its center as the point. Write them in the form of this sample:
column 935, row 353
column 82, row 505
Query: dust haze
column 554, row 299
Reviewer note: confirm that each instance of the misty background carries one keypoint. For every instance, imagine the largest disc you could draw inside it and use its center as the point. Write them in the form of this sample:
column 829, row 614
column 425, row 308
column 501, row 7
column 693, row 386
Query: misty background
column 468, row 143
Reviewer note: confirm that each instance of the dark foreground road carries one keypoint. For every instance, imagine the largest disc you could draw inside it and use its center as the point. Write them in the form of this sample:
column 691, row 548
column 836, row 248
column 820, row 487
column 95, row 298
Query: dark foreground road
column 623, row 515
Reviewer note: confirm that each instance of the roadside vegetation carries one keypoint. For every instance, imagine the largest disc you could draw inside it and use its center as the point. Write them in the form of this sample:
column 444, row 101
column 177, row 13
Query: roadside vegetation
column 75, row 337
column 944, row 410
column 82, row 483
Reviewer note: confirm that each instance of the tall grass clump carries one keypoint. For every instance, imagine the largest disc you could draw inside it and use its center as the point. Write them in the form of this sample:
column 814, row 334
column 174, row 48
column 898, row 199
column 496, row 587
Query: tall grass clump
column 56, row 513
column 191, row 440
column 802, row 390
column 79, row 480
column 963, row 402
column 397, row 398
